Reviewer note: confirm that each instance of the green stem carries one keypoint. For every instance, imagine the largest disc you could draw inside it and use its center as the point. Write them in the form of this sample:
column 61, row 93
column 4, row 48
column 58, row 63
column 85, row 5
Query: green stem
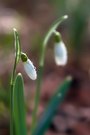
column 37, row 98
column 41, row 67
column 17, row 58
column 11, row 99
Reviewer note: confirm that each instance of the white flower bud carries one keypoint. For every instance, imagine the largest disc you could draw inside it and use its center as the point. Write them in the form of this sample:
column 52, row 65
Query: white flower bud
column 30, row 69
column 28, row 66
column 60, row 53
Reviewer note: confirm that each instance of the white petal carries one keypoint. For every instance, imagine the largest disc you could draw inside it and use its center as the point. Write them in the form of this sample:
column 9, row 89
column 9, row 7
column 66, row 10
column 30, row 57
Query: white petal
column 60, row 53
column 30, row 69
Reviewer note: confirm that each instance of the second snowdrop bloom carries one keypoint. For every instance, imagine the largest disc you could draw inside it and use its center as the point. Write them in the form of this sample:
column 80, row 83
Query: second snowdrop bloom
column 29, row 67
column 60, row 51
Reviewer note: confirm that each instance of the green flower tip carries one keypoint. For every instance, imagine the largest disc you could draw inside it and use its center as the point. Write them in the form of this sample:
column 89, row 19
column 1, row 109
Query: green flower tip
column 24, row 57
column 57, row 36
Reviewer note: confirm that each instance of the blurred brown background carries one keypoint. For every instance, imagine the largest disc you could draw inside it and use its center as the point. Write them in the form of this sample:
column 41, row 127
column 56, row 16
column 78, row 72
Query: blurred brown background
column 32, row 18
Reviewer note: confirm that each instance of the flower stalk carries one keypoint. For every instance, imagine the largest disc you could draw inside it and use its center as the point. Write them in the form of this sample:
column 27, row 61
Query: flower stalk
column 30, row 70
column 41, row 67
column 17, row 58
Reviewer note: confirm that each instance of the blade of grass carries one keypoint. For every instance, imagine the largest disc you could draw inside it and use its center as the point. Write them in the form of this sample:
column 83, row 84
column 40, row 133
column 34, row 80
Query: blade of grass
column 49, row 113
column 41, row 67
column 19, row 107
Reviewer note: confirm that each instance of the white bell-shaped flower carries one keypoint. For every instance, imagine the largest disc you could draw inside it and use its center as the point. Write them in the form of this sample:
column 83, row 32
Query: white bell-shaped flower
column 29, row 67
column 60, row 52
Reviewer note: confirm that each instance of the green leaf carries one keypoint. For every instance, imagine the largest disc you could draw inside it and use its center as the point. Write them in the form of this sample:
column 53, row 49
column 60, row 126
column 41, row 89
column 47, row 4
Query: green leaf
column 19, row 107
column 49, row 113
column 17, row 45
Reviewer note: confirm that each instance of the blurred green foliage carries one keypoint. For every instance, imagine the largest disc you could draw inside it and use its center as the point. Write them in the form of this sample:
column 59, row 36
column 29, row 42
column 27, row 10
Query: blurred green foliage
column 6, row 41
column 4, row 102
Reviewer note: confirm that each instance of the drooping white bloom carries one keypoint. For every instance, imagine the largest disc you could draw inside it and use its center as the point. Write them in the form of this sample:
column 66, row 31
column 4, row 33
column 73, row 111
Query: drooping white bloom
column 28, row 66
column 30, row 69
column 60, row 52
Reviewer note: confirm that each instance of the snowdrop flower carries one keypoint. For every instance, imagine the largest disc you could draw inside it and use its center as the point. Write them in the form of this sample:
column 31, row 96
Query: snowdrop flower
column 29, row 67
column 60, row 50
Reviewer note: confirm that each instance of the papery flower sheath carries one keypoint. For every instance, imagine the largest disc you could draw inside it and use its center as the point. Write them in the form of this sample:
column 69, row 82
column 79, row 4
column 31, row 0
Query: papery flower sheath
column 60, row 53
column 29, row 67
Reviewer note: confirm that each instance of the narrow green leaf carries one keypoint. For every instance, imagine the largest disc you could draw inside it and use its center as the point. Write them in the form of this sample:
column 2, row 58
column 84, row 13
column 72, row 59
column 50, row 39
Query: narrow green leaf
column 19, row 107
column 49, row 113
